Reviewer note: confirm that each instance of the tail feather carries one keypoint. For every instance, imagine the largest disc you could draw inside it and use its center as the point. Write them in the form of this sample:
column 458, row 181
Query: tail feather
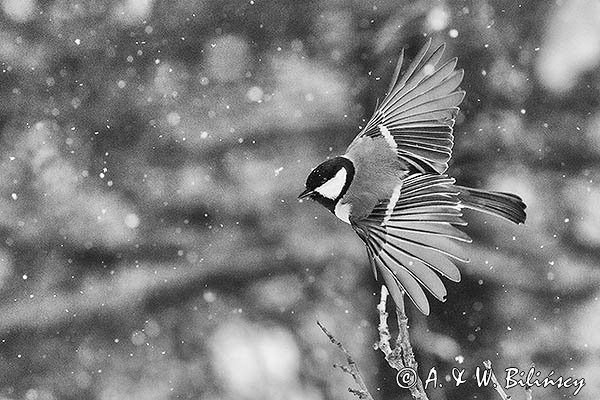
column 504, row 205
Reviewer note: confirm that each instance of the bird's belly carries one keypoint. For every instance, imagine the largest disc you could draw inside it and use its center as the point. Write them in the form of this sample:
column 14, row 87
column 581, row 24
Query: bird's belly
column 342, row 211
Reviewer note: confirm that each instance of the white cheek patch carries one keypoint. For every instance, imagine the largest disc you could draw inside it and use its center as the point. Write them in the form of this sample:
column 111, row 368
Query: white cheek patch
column 342, row 211
column 333, row 187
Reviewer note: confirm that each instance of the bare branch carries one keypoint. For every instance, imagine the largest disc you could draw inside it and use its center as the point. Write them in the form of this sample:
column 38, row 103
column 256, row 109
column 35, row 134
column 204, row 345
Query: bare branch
column 497, row 386
column 528, row 392
column 401, row 357
column 384, row 330
column 351, row 369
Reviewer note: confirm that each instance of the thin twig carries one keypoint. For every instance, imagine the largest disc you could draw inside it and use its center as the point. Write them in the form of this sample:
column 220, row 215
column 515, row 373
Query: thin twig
column 351, row 369
column 497, row 386
column 402, row 355
column 403, row 339
column 528, row 392
column 383, row 328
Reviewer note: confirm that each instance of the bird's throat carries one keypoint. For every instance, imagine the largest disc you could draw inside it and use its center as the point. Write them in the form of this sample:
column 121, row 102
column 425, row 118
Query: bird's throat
column 342, row 211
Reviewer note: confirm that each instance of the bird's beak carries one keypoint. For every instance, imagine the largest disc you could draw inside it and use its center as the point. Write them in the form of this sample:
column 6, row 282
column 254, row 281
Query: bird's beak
column 306, row 193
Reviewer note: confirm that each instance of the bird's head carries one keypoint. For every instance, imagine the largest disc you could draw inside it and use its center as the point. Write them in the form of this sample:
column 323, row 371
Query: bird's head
column 329, row 182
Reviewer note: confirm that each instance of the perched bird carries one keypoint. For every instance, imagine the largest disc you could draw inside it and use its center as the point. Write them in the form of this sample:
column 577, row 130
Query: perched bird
column 391, row 184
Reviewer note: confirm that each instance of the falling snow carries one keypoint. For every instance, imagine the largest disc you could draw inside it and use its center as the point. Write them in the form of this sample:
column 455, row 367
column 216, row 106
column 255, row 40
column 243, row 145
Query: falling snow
column 153, row 152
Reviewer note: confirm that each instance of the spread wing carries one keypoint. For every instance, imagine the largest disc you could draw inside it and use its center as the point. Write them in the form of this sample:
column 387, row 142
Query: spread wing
column 411, row 239
column 417, row 115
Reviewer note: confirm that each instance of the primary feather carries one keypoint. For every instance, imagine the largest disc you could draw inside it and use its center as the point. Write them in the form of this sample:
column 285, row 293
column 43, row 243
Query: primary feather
column 414, row 240
column 419, row 111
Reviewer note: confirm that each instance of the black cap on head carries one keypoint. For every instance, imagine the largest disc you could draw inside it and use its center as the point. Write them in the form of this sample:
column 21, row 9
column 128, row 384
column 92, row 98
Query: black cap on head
column 323, row 173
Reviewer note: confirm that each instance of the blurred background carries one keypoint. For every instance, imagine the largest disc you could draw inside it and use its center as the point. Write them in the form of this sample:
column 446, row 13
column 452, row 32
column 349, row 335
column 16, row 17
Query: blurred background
column 151, row 152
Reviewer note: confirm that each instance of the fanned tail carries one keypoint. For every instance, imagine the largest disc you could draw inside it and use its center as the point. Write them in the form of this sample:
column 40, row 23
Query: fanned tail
column 504, row 205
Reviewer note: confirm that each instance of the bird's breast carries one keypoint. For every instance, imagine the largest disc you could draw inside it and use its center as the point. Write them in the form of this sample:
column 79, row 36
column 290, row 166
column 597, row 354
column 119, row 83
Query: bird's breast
column 378, row 172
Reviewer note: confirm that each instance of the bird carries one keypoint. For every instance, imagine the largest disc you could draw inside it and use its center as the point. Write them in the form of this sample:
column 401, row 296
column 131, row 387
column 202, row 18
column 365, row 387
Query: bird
column 392, row 187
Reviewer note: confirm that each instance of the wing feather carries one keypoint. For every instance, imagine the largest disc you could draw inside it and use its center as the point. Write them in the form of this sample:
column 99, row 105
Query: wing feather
column 419, row 111
column 421, row 70
column 418, row 106
column 418, row 269
column 403, row 283
column 416, row 240
column 414, row 65
column 428, row 89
